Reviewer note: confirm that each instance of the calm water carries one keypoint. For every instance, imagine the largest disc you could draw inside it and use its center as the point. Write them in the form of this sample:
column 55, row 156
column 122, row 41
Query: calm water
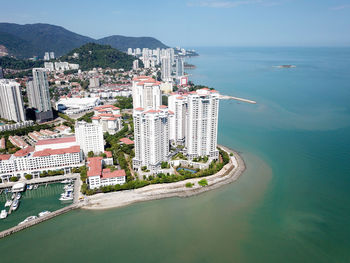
column 32, row 203
column 291, row 205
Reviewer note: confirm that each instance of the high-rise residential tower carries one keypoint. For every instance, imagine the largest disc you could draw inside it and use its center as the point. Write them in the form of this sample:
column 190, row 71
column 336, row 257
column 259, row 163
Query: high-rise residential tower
column 179, row 67
column 90, row 137
column 146, row 93
column 39, row 95
column 151, row 137
column 11, row 103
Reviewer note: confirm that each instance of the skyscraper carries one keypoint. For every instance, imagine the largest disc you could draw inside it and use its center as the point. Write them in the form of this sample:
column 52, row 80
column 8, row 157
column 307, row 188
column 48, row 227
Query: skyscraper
column 39, row 95
column 166, row 68
column 146, row 93
column 202, row 123
column 179, row 67
column 178, row 105
column 11, row 103
column 90, row 137
column 151, row 136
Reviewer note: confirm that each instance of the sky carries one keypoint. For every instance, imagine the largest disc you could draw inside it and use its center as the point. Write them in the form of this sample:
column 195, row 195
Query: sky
column 192, row 23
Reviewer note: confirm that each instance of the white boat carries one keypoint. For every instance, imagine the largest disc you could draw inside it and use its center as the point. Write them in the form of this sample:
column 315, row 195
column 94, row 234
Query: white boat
column 18, row 187
column 68, row 186
column 13, row 196
column 30, row 187
column 15, row 204
column 44, row 213
column 66, row 181
column 8, row 203
column 18, row 196
column 28, row 219
column 66, row 198
column 36, row 186
column 3, row 214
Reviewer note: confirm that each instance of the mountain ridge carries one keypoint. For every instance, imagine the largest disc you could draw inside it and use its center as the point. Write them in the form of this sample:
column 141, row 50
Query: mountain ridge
column 35, row 39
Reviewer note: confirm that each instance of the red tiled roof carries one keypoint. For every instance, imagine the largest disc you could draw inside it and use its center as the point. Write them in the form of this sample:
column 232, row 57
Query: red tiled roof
column 106, row 115
column 126, row 141
column 48, row 152
column 111, row 119
column 4, row 157
column 163, row 106
column 57, row 140
column 95, row 166
column 117, row 173
column 108, row 154
column 171, row 112
column 96, row 118
column 24, row 151
column 139, row 109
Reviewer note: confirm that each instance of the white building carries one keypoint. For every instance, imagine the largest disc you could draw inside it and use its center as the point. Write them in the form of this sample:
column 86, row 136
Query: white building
column 179, row 67
column 49, row 66
column 135, row 64
column 47, row 56
column 94, row 82
column 202, row 123
column 151, row 137
column 52, row 55
column 39, row 95
column 76, row 105
column 166, row 68
column 178, row 105
column 90, row 137
column 11, row 103
column 110, row 120
column 61, row 66
column 98, row 177
column 56, row 144
column 146, row 93
column 33, row 161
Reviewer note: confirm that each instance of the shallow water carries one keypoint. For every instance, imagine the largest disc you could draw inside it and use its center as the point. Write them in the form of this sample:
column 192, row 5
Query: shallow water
column 291, row 205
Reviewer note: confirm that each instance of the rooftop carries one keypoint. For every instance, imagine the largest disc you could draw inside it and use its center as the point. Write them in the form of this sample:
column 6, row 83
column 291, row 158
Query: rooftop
column 126, row 141
column 57, row 140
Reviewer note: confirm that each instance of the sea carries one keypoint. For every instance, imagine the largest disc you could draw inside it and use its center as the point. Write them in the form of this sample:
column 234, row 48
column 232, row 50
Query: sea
column 292, row 204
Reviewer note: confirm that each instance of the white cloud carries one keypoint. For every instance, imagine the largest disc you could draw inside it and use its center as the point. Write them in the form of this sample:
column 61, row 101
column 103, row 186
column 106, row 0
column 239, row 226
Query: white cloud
column 340, row 7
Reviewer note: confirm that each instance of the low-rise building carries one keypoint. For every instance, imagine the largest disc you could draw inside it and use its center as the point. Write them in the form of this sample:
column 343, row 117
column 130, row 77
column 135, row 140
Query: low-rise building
column 98, row 177
column 18, row 141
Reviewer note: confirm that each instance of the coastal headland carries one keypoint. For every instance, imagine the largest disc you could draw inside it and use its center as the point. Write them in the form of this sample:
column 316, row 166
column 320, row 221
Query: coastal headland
column 228, row 174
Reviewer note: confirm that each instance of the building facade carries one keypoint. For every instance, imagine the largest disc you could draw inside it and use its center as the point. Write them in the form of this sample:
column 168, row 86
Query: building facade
column 146, row 93
column 151, row 137
column 39, row 95
column 11, row 103
column 90, row 137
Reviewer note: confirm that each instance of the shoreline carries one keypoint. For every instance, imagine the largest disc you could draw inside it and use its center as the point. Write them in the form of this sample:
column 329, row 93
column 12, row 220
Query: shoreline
column 228, row 174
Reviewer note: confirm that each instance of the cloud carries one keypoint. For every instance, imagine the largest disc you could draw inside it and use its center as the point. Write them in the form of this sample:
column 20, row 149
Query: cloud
column 340, row 7
column 224, row 4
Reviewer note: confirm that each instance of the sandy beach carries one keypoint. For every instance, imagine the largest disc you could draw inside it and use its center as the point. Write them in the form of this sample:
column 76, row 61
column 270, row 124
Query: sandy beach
column 228, row 174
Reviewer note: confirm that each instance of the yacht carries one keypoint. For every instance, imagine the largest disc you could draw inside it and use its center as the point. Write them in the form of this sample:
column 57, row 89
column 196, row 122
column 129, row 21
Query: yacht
column 66, row 181
column 44, row 213
column 18, row 196
column 36, row 186
column 15, row 204
column 28, row 219
column 30, row 187
column 8, row 203
column 13, row 196
column 3, row 214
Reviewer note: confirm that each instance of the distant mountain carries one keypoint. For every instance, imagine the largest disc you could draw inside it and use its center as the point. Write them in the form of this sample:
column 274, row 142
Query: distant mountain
column 123, row 43
column 94, row 55
column 24, row 41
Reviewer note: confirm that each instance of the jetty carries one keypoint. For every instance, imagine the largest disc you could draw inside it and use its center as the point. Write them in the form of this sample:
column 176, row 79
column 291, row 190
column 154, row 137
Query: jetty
column 226, row 97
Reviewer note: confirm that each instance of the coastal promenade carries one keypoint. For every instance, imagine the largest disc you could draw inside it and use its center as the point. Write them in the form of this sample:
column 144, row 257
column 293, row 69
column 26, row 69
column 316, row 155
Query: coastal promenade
column 43, row 180
column 228, row 174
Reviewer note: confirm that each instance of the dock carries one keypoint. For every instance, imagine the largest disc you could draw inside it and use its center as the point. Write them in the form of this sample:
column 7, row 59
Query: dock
column 226, row 97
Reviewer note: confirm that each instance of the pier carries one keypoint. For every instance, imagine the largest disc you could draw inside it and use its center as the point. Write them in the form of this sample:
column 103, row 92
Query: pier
column 226, row 97
column 41, row 181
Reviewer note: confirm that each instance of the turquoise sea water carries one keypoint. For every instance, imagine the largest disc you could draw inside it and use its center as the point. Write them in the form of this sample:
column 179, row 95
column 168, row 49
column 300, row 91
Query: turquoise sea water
column 291, row 205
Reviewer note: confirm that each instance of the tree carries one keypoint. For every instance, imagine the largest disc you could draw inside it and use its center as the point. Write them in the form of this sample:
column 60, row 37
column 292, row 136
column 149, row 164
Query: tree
column 203, row 182
column 14, row 179
column 189, row 185
column 90, row 154
column 28, row 176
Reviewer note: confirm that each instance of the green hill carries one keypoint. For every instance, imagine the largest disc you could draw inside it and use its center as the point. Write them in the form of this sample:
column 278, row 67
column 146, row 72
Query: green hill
column 93, row 55
column 24, row 41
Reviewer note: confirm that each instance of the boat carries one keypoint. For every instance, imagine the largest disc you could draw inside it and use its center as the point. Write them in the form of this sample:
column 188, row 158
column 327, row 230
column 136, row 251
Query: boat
column 8, row 203
column 44, row 213
column 18, row 187
column 28, row 219
column 30, row 187
column 68, row 186
column 15, row 204
column 36, row 186
column 18, row 196
column 3, row 214
column 13, row 196
column 66, row 181
column 66, row 198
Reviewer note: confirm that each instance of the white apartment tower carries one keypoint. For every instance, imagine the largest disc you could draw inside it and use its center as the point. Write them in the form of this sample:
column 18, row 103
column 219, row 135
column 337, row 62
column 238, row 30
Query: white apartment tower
column 146, row 93
column 179, row 67
column 11, row 103
column 178, row 105
column 39, row 95
column 90, row 137
column 166, row 68
column 202, row 123
column 151, row 137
